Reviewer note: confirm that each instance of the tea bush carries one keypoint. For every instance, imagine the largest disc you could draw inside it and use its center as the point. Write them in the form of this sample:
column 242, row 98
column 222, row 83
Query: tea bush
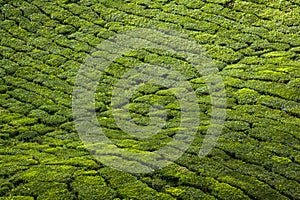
column 92, row 187
column 254, row 45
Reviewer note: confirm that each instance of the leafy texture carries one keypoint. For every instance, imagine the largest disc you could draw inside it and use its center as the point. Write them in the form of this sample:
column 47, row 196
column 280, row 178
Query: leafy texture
column 255, row 45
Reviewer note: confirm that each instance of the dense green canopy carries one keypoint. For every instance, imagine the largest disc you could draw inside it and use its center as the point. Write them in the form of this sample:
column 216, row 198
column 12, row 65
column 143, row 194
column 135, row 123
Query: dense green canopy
column 254, row 44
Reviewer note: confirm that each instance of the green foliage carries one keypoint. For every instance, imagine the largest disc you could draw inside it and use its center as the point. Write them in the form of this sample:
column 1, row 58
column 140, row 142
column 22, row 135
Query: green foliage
column 137, row 190
column 92, row 187
column 225, row 191
column 193, row 193
column 26, row 135
column 223, row 53
column 246, row 96
column 254, row 44
column 278, row 103
column 76, row 161
column 48, row 173
column 65, row 29
column 9, row 66
column 27, row 96
column 237, row 125
column 10, row 11
column 44, row 190
column 294, row 83
column 17, row 198
column 57, row 194
column 174, row 191
column 282, row 160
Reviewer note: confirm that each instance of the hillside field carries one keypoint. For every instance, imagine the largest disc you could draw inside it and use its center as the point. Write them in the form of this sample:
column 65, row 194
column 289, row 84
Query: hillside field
column 254, row 46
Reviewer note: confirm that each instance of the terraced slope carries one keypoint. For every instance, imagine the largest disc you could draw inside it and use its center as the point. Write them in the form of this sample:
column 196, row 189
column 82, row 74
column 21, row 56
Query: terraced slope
column 255, row 45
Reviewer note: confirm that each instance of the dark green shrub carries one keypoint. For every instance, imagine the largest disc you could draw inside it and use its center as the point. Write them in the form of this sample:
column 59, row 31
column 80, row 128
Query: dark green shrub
column 59, row 194
column 8, row 169
column 6, row 129
column 40, row 114
column 9, row 66
column 41, row 128
column 194, row 194
column 5, row 187
column 280, row 183
column 27, row 96
column 27, row 135
column 27, row 8
column 68, row 126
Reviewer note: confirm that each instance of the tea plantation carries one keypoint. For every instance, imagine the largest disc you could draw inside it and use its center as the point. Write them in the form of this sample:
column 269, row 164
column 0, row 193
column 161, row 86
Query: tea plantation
column 255, row 44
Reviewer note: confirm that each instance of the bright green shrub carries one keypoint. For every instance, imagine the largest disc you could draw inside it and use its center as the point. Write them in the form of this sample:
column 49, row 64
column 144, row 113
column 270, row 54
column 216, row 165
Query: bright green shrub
column 285, row 186
column 28, row 73
column 92, row 187
column 65, row 29
column 191, row 4
column 68, row 126
column 23, row 160
column 9, row 117
column 212, row 7
column 225, row 191
column 237, row 125
column 75, row 8
column 174, row 191
column 222, row 53
column 138, row 190
column 47, row 173
column 75, row 21
column 84, row 172
column 11, row 12
column 37, row 188
column 77, row 161
column 17, row 198
column 247, row 96
column 24, row 121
